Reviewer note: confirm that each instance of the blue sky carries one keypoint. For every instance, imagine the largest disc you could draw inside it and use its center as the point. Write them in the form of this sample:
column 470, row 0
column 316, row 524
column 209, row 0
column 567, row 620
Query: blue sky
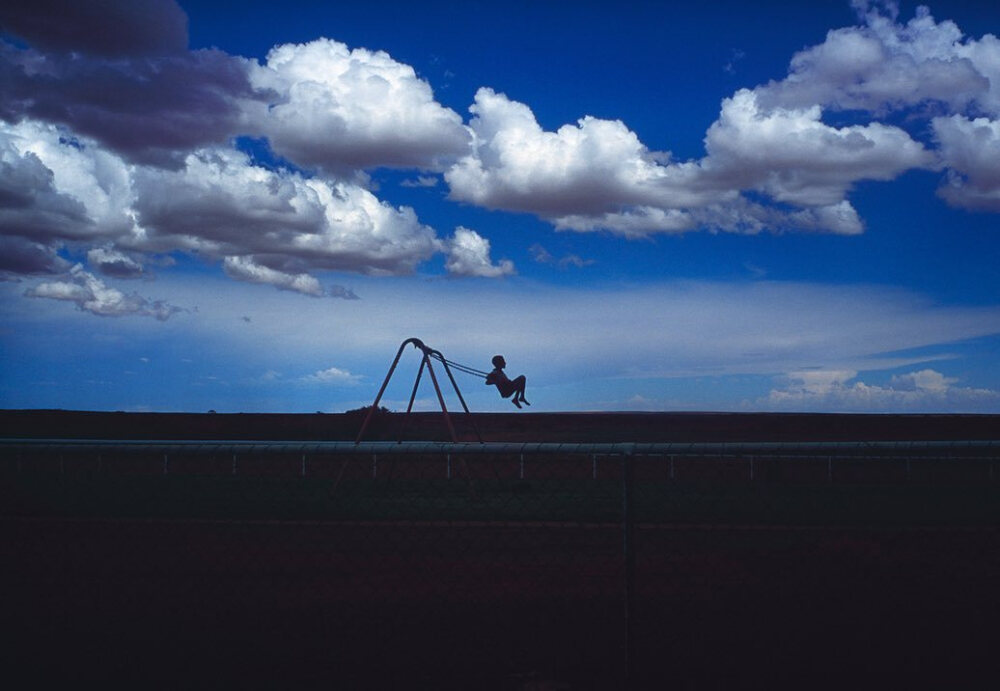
column 642, row 206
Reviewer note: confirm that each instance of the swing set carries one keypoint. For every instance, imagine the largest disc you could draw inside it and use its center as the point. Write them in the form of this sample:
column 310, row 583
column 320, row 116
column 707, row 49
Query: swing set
column 425, row 362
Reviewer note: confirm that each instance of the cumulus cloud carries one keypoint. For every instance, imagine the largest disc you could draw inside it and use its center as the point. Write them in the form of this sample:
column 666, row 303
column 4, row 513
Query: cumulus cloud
column 923, row 67
column 152, row 110
column 19, row 257
column 584, row 168
column 772, row 160
column 244, row 269
column 120, row 71
column 221, row 204
column 469, row 255
column 333, row 375
column 341, row 109
column 793, row 157
column 115, row 140
column 270, row 226
column 885, row 65
column 30, row 203
column 971, row 150
column 114, row 263
column 598, row 175
column 60, row 190
column 839, row 391
column 91, row 294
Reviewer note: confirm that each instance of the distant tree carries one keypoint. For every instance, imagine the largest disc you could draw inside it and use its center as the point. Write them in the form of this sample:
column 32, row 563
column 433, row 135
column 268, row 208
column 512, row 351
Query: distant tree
column 363, row 410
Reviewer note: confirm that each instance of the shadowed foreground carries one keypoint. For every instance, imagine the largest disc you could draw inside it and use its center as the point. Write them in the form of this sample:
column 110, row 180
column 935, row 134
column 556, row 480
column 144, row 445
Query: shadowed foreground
column 500, row 573
column 175, row 603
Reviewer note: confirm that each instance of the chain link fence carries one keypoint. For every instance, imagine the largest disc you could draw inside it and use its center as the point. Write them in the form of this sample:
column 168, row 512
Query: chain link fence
column 507, row 566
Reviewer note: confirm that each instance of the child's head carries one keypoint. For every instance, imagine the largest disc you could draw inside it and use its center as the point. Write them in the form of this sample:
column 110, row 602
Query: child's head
column 498, row 361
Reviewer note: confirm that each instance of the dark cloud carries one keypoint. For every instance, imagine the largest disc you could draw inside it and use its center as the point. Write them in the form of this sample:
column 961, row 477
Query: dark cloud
column 149, row 109
column 105, row 28
column 20, row 257
column 31, row 206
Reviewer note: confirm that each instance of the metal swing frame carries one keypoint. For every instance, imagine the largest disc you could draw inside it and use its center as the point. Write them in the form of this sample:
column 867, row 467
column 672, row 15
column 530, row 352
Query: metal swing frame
column 428, row 354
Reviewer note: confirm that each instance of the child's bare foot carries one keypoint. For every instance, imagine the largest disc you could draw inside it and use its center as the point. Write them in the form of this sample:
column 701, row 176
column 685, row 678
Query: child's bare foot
column 525, row 402
column 514, row 401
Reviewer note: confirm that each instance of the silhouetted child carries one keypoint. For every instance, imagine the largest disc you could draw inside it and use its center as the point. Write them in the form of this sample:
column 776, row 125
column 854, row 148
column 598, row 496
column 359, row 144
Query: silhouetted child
column 506, row 386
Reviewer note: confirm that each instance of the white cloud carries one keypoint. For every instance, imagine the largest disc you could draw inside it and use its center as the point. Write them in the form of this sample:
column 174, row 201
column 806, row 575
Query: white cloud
column 885, row 65
column 333, row 375
column 275, row 227
column 124, row 173
column 582, row 168
column 217, row 203
column 598, row 175
column 342, row 109
column 59, row 188
column 793, row 157
column 220, row 204
column 469, row 255
column 924, row 390
column 921, row 67
column 244, row 269
column 771, row 141
column 92, row 295
column 971, row 150
column 114, row 263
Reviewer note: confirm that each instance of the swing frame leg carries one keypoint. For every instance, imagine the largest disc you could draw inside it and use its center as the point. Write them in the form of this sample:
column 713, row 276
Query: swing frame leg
column 425, row 361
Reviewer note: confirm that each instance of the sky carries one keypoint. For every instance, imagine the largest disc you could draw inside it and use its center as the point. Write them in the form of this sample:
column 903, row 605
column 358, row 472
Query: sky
column 726, row 206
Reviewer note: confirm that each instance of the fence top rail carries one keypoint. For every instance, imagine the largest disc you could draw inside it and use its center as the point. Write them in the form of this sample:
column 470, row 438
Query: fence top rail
column 811, row 448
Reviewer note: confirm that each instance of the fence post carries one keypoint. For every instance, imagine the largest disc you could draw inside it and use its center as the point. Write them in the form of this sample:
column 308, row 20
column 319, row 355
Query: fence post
column 628, row 552
column 234, row 464
column 165, row 461
column 303, row 465
column 521, row 472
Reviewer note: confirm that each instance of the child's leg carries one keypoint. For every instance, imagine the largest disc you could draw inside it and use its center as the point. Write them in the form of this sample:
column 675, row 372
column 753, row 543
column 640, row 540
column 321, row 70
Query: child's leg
column 520, row 383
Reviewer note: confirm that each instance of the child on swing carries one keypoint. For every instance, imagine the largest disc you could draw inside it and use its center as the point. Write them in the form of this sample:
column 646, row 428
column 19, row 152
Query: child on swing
column 506, row 386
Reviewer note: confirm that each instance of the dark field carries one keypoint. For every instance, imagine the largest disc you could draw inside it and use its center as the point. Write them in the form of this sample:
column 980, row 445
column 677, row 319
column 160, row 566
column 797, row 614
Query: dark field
column 882, row 574
column 512, row 427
